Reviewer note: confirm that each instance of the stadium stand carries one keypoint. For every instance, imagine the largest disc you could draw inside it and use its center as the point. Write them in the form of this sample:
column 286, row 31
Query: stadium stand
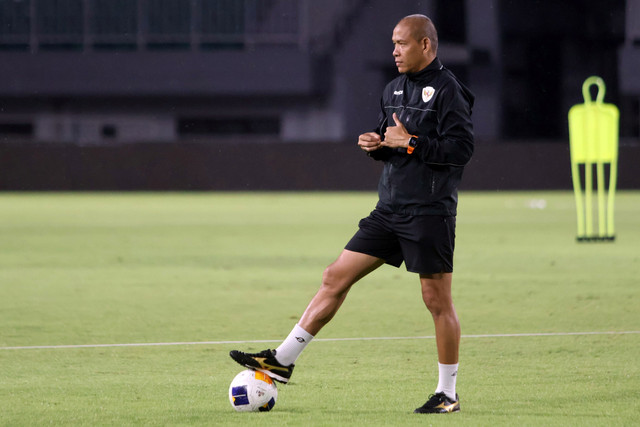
column 115, row 73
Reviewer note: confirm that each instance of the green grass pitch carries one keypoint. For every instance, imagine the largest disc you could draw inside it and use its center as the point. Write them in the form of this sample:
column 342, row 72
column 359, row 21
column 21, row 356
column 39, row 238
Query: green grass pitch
column 92, row 269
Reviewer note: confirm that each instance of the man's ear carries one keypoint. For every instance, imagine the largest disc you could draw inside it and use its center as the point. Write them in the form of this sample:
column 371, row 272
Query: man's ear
column 426, row 43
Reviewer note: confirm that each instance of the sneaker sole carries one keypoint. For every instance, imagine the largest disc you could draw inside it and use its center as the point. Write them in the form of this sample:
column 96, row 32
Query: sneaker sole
column 273, row 376
column 446, row 411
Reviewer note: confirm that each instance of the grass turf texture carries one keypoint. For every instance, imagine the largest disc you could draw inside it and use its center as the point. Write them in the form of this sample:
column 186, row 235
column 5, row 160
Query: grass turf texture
column 144, row 268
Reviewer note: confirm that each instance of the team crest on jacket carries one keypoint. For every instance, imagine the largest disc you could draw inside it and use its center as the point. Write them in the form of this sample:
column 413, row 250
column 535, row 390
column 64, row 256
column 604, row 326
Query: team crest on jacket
column 427, row 93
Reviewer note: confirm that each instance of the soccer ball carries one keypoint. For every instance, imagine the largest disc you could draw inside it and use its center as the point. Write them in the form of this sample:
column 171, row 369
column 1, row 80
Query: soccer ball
column 252, row 391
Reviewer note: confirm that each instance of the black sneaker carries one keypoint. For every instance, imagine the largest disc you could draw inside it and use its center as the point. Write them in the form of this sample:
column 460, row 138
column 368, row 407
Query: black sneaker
column 265, row 362
column 439, row 403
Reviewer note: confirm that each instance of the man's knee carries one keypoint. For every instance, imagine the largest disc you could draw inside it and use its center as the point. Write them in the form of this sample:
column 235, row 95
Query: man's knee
column 436, row 293
column 436, row 303
column 347, row 270
column 333, row 279
column 328, row 275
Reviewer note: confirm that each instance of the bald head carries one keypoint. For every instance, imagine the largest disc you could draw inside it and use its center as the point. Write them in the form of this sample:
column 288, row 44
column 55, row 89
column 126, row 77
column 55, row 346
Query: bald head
column 415, row 43
column 422, row 27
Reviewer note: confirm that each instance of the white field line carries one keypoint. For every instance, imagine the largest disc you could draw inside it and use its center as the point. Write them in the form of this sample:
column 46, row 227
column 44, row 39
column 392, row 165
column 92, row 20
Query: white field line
column 535, row 334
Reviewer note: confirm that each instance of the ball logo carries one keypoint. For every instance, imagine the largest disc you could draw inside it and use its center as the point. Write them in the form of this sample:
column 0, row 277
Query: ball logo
column 427, row 93
column 239, row 395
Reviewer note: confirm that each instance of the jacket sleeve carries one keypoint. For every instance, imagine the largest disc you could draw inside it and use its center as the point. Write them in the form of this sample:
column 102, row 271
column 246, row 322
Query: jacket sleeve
column 453, row 142
column 382, row 153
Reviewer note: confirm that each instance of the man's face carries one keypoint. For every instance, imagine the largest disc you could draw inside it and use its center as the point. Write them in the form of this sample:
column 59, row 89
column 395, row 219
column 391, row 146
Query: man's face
column 409, row 53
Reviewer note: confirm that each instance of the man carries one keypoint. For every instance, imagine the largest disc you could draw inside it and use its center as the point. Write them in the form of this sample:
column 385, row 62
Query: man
column 424, row 138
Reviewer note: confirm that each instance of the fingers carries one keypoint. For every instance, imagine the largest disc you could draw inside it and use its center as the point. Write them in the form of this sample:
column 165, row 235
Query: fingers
column 395, row 136
column 397, row 120
column 369, row 141
column 370, row 137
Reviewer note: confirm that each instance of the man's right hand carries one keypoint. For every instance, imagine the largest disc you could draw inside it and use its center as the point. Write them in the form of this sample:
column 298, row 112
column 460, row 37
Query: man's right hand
column 369, row 141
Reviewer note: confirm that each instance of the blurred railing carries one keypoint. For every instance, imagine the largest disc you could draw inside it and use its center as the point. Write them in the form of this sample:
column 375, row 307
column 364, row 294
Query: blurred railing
column 85, row 25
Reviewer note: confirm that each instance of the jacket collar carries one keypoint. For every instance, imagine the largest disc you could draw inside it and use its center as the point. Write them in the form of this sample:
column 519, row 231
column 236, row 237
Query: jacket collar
column 427, row 71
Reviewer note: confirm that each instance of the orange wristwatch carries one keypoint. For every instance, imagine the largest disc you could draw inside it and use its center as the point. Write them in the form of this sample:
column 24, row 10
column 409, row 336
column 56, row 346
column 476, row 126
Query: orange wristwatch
column 413, row 142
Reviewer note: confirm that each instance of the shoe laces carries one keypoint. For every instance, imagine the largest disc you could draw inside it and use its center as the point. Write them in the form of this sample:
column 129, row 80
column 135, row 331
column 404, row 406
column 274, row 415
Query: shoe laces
column 264, row 353
column 437, row 397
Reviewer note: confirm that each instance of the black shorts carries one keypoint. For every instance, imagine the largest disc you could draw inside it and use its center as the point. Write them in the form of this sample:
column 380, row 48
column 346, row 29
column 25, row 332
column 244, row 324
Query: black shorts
column 424, row 242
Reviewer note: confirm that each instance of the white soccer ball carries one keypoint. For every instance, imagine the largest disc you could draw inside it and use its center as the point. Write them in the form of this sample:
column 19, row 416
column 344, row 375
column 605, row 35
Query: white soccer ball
column 252, row 391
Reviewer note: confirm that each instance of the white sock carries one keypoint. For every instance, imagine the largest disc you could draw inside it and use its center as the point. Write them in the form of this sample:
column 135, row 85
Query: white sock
column 292, row 346
column 447, row 380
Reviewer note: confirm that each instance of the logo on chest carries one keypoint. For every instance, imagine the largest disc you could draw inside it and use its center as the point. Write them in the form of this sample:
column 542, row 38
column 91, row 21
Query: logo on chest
column 427, row 93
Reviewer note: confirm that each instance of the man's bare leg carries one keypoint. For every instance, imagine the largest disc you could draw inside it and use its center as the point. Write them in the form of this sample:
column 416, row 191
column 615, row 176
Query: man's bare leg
column 436, row 293
column 336, row 282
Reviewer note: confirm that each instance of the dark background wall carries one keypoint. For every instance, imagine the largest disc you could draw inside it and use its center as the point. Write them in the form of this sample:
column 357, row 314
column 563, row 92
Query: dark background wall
column 282, row 166
column 271, row 94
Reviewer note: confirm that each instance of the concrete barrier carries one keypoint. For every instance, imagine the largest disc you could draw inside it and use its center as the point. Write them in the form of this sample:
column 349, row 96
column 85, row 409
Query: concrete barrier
column 234, row 166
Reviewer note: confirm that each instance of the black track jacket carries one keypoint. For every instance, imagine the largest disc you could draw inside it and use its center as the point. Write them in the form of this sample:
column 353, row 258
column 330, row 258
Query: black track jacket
column 434, row 106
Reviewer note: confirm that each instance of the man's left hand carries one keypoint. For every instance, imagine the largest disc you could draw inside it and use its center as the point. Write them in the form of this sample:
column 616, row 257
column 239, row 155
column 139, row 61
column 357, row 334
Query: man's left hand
column 396, row 136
